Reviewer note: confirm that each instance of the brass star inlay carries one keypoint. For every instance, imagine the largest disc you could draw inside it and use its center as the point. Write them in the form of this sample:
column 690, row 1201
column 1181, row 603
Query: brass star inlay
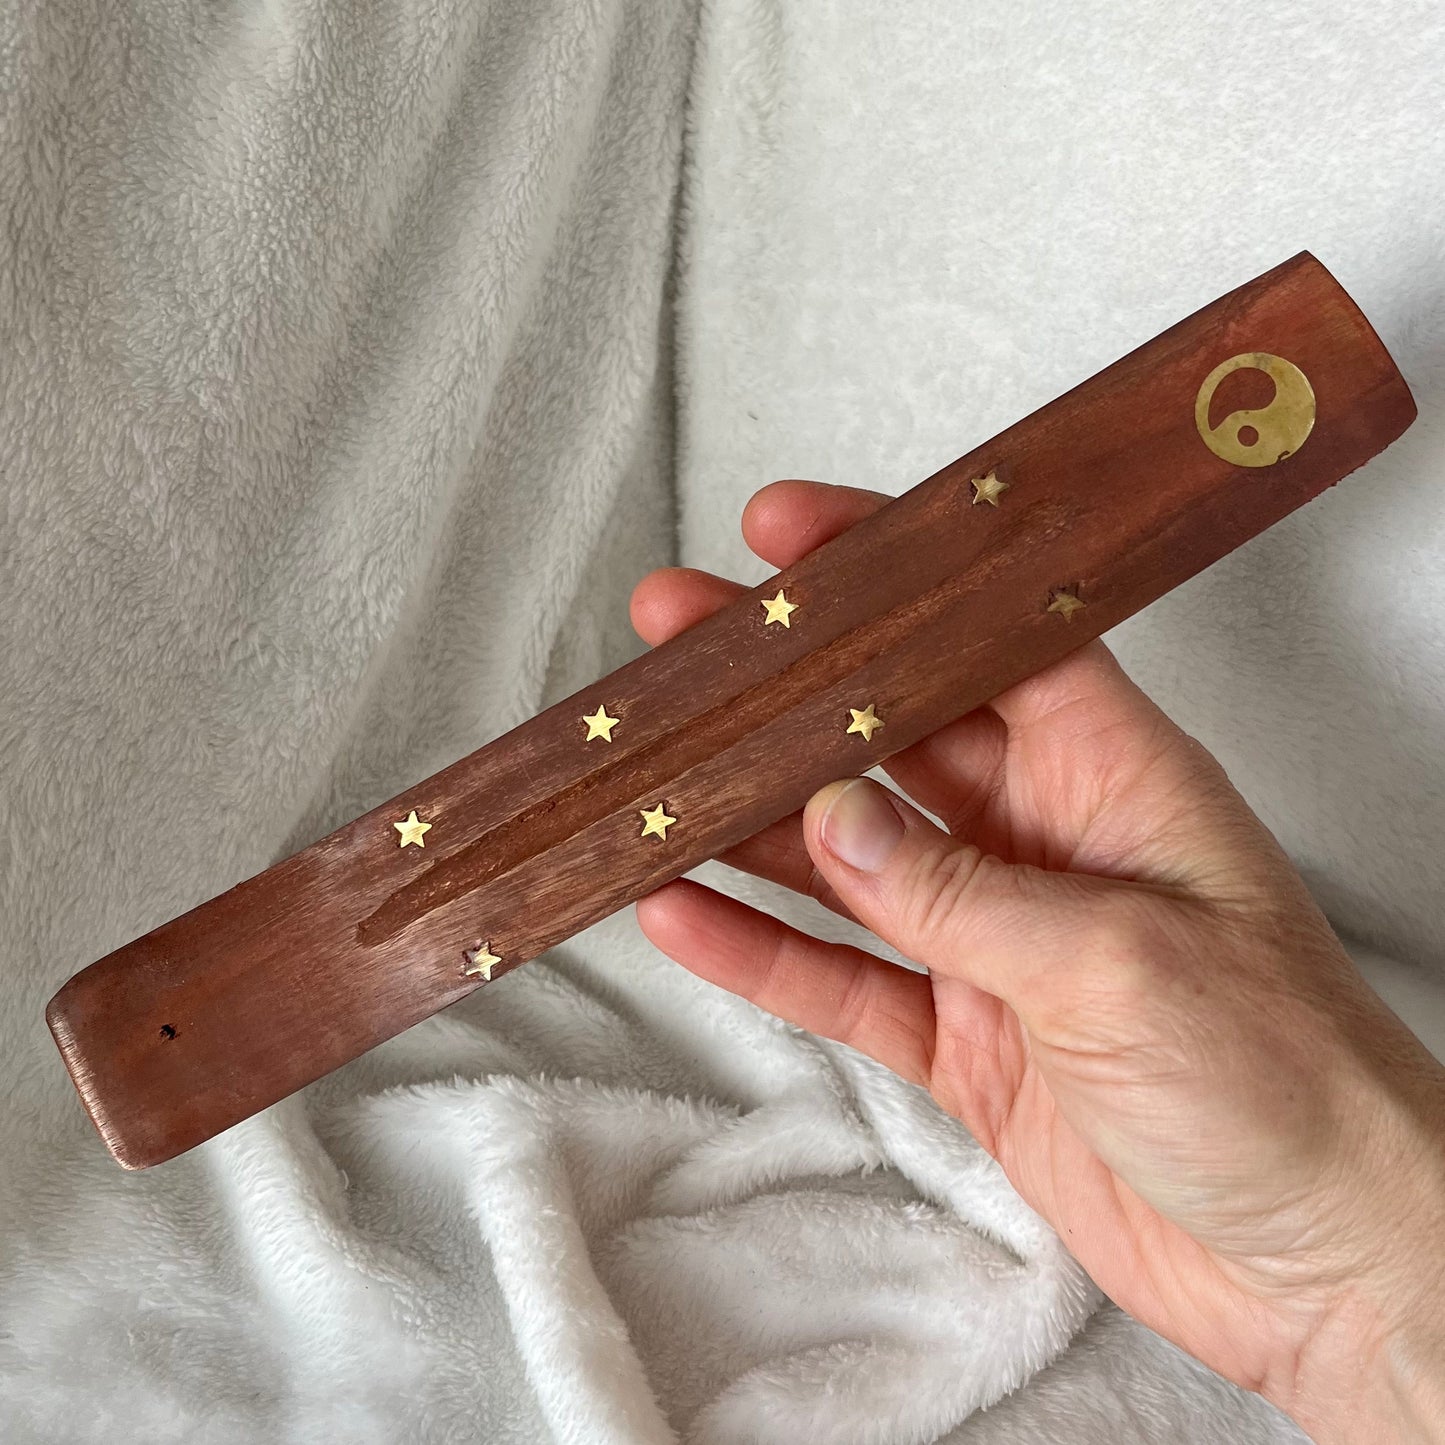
column 779, row 609
column 656, row 821
column 865, row 721
column 1065, row 604
column 599, row 725
column 988, row 489
column 411, row 830
column 482, row 961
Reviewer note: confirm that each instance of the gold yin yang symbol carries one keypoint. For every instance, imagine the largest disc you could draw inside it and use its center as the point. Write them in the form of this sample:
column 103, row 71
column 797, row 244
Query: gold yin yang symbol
column 1279, row 429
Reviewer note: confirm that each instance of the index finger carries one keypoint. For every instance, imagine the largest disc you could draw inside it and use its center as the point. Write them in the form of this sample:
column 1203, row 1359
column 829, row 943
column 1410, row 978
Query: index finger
column 786, row 520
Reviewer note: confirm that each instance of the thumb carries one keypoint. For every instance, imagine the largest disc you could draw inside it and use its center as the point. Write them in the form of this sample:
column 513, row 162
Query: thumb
column 1027, row 935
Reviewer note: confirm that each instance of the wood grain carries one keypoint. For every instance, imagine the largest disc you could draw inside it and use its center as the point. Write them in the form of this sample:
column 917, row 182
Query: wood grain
column 926, row 609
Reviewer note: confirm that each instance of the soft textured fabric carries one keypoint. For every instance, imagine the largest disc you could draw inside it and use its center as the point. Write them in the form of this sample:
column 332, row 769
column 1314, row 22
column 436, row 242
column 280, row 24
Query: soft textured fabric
column 353, row 360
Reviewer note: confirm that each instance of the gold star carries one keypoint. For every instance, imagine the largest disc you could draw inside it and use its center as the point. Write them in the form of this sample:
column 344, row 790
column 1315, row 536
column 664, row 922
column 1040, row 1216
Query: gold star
column 778, row 609
column 988, row 489
column 656, row 821
column 1065, row 604
column 482, row 961
column 411, row 831
column 865, row 722
column 599, row 725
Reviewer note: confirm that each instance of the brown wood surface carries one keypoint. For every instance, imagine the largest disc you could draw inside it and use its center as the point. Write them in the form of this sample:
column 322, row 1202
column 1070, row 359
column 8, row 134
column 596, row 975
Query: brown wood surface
column 926, row 609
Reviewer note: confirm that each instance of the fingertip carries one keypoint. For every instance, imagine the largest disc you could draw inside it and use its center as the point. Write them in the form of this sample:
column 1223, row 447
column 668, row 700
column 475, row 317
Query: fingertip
column 860, row 825
column 770, row 505
column 672, row 599
column 646, row 607
column 787, row 519
column 816, row 809
column 664, row 915
column 758, row 504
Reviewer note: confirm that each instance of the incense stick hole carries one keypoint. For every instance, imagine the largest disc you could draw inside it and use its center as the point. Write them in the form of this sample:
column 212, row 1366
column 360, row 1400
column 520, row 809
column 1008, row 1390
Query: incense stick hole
column 168, row 1031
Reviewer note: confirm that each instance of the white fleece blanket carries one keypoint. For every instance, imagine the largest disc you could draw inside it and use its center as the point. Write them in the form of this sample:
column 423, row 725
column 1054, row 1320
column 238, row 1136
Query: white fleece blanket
column 337, row 417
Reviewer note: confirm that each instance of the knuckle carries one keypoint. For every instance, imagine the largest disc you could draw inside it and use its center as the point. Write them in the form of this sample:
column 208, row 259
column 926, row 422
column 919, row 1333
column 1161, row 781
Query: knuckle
column 852, row 1007
column 939, row 887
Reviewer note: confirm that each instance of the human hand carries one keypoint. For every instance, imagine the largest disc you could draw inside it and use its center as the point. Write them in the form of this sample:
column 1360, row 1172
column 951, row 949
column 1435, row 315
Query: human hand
column 1131, row 1001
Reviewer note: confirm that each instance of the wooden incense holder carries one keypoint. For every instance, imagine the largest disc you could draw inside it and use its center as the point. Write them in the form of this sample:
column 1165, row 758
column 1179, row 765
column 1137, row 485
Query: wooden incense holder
column 1010, row 557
